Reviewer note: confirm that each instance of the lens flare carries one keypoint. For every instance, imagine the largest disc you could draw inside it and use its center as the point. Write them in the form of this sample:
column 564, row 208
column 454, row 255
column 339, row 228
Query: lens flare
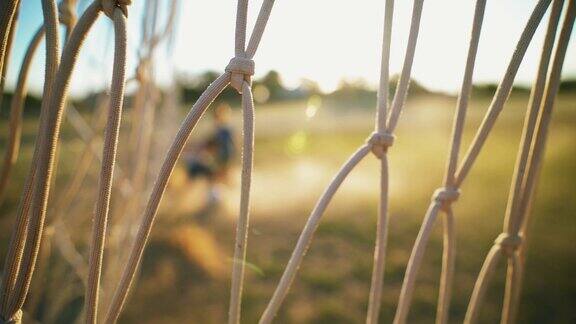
column 312, row 106
column 297, row 143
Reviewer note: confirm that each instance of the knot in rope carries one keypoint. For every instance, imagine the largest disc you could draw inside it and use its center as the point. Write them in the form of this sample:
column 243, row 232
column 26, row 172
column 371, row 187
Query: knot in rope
column 108, row 6
column 15, row 319
column 509, row 243
column 67, row 13
column 446, row 195
column 241, row 69
column 380, row 142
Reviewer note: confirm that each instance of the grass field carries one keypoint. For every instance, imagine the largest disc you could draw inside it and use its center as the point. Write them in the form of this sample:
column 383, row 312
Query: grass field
column 185, row 273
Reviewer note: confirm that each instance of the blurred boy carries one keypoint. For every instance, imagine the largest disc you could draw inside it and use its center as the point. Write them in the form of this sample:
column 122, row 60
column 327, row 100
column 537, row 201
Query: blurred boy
column 212, row 158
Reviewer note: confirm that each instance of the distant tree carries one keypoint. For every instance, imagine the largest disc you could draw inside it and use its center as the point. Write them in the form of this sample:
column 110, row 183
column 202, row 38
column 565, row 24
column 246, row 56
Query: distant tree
column 273, row 84
column 416, row 89
column 487, row 89
column 194, row 85
column 32, row 105
column 568, row 86
column 309, row 87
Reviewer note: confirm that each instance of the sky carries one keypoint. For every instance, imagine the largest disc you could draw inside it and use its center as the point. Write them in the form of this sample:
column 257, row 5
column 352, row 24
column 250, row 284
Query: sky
column 322, row 40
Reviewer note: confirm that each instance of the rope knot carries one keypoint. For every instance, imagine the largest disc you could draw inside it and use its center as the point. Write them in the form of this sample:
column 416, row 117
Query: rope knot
column 446, row 195
column 67, row 13
column 108, row 6
column 15, row 319
column 380, row 142
column 241, row 69
column 509, row 243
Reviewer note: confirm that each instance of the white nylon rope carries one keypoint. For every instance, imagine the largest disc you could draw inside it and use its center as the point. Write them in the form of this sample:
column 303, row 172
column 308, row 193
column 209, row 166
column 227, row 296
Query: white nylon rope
column 141, row 136
column 8, row 14
column 502, row 92
column 67, row 17
column 375, row 294
column 8, row 47
column 107, row 169
column 15, row 124
column 11, row 282
column 57, row 228
column 27, row 236
column 145, row 101
column 7, row 36
column 239, row 258
column 139, row 133
column 145, row 227
column 378, row 143
column 168, row 27
column 238, row 74
column 91, row 151
column 306, row 236
column 514, row 214
column 443, row 197
column 48, row 143
column 539, row 141
column 508, row 243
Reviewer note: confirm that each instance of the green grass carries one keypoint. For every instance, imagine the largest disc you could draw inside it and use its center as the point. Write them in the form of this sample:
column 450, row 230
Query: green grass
column 295, row 159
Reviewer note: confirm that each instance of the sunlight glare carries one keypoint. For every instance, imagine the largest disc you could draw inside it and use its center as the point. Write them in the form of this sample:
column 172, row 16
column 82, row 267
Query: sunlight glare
column 261, row 94
column 312, row 106
column 297, row 143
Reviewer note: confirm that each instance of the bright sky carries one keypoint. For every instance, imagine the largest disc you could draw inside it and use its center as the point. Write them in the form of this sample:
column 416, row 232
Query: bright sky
column 321, row 40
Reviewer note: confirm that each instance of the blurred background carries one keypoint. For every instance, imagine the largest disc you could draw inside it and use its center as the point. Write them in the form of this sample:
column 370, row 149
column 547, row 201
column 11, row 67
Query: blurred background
column 315, row 92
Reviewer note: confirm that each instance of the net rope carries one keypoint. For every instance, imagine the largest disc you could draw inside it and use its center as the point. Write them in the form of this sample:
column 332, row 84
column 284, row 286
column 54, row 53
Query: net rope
column 378, row 143
column 68, row 18
column 238, row 75
column 29, row 223
column 26, row 238
column 8, row 20
column 444, row 197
